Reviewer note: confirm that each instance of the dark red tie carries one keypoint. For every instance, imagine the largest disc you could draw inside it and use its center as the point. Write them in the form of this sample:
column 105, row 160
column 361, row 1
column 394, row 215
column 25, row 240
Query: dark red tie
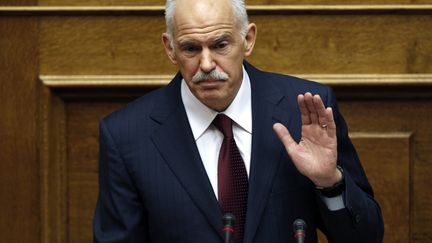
column 232, row 177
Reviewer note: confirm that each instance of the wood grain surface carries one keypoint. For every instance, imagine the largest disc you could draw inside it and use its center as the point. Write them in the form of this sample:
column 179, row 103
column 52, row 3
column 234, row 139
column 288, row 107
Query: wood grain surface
column 49, row 133
column 413, row 115
column 19, row 168
column 386, row 158
column 250, row 2
column 288, row 44
column 389, row 146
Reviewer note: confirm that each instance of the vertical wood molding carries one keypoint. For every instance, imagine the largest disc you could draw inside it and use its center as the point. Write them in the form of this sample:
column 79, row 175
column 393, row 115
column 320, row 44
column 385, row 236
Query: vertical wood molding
column 412, row 144
column 53, row 168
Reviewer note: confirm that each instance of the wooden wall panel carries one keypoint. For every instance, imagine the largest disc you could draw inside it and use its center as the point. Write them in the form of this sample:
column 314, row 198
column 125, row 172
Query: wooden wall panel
column 48, row 176
column 287, row 44
column 103, row 45
column 102, row 2
column 249, row 2
column 53, row 168
column 386, row 158
column 404, row 116
column 17, row 2
column 82, row 173
column 392, row 149
column 344, row 44
column 19, row 168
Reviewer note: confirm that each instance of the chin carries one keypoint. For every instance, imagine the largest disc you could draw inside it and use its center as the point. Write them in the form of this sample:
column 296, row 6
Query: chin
column 211, row 99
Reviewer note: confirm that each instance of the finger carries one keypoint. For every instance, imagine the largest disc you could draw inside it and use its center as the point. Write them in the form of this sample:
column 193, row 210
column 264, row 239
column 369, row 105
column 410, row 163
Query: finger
column 311, row 108
column 321, row 110
column 331, row 125
column 285, row 137
column 303, row 110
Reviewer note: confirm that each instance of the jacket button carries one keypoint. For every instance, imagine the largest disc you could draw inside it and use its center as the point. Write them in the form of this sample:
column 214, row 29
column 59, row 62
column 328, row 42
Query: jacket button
column 357, row 218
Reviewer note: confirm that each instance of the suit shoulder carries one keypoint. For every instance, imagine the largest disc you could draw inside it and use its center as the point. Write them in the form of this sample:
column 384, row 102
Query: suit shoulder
column 138, row 108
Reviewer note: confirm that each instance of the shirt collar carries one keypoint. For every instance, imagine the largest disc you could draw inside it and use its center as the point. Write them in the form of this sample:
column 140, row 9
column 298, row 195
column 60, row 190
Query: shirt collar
column 200, row 116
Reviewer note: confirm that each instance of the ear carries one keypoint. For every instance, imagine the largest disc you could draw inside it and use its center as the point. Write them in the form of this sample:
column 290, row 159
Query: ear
column 250, row 39
column 169, row 50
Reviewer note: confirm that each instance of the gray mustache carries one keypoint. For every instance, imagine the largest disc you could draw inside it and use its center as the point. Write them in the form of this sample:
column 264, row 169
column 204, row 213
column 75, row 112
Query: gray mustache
column 213, row 75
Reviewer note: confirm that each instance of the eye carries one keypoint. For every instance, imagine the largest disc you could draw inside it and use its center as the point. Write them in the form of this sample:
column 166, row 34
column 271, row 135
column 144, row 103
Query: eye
column 191, row 48
column 221, row 45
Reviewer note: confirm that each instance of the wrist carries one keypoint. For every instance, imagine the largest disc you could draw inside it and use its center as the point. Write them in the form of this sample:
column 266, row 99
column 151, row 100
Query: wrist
column 336, row 188
column 331, row 180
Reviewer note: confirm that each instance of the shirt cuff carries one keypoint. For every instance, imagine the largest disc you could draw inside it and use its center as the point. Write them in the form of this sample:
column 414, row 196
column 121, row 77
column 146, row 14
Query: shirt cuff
column 334, row 203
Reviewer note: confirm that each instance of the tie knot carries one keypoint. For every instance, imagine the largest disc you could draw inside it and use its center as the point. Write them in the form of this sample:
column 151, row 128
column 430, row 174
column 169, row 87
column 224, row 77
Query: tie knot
column 224, row 124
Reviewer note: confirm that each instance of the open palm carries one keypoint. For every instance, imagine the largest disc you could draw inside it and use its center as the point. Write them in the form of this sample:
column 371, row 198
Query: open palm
column 315, row 155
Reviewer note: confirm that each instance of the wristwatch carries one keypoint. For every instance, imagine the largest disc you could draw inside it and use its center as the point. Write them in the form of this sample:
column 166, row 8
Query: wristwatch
column 335, row 190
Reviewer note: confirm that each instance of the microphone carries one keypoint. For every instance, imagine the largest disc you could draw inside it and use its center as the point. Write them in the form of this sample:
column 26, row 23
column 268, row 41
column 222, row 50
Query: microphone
column 299, row 227
column 228, row 220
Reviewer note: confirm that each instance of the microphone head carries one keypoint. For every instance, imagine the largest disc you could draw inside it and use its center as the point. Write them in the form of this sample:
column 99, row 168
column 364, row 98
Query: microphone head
column 228, row 220
column 299, row 224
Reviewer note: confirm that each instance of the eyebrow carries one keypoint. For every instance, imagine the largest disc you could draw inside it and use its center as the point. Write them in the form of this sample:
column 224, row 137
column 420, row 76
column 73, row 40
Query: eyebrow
column 216, row 39
column 187, row 43
column 222, row 37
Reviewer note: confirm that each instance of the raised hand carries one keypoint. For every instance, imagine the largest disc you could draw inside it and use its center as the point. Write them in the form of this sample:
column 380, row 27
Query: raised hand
column 315, row 155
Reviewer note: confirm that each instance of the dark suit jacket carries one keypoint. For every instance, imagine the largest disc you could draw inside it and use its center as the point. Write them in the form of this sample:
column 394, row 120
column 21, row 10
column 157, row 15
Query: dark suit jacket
column 154, row 188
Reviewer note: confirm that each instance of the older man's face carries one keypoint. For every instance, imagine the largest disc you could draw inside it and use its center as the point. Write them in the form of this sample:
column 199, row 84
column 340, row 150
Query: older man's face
column 209, row 50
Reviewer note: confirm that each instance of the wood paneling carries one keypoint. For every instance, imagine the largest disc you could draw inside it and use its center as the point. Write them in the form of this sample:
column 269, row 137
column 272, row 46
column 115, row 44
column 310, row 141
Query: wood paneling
column 389, row 144
column 103, row 45
column 338, row 80
column 82, row 174
column 344, row 44
column 69, row 131
column 387, row 160
column 19, row 168
column 53, row 168
column 402, row 115
column 378, row 58
column 250, row 2
column 287, row 44
column 17, row 2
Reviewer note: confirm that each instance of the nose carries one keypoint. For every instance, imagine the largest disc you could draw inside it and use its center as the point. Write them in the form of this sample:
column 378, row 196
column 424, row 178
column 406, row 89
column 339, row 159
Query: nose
column 207, row 63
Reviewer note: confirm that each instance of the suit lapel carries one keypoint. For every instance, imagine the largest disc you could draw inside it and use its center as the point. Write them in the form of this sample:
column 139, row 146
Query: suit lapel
column 174, row 140
column 266, row 147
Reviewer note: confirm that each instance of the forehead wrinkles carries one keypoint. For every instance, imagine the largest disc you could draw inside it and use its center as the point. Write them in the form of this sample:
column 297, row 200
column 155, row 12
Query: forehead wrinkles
column 186, row 31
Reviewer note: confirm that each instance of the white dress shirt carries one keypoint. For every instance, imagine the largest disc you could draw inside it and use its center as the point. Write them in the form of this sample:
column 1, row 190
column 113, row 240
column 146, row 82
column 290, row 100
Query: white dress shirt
column 209, row 139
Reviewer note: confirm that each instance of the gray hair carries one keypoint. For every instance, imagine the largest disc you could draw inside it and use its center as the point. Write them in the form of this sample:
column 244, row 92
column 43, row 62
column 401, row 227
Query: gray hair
column 239, row 10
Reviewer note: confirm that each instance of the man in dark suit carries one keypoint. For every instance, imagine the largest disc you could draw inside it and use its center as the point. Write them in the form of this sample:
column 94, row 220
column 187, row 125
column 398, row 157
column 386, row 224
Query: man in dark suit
column 166, row 175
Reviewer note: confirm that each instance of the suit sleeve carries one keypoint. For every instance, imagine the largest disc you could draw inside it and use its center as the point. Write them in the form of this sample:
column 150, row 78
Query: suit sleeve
column 119, row 215
column 361, row 219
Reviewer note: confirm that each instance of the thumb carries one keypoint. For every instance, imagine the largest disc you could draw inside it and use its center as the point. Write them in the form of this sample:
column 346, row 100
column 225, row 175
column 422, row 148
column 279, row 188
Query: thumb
column 285, row 137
